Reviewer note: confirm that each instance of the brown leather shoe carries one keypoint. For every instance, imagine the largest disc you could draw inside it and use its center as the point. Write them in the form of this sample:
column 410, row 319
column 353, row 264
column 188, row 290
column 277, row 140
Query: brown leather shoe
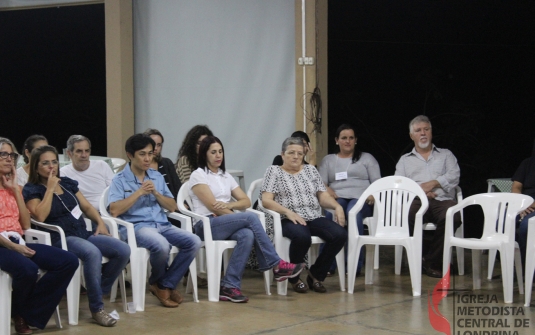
column 176, row 296
column 21, row 327
column 162, row 295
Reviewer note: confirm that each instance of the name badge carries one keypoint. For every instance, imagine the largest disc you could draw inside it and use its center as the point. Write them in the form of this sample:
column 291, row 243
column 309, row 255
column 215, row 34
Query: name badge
column 76, row 212
column 341, row 175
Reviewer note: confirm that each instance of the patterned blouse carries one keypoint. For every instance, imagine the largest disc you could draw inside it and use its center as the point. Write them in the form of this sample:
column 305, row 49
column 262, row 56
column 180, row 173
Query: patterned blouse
column 297, row 192
column 9, row 213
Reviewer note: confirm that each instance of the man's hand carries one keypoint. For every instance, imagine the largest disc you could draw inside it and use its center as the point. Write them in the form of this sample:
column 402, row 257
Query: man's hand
column 147, row 187
column 295, row 218
column 429, row 186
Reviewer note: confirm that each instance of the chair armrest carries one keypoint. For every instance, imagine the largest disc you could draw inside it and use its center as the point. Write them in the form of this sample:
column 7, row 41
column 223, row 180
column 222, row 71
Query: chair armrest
column 131, row 235
column 53, row 228
column 185, row 221
column 112, row 226
column 37, row 236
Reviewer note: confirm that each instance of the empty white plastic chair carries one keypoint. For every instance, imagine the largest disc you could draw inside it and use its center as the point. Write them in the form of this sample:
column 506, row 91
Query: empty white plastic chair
column 393, row 198
column 117, row 163
column 500, row 210
column 215, row 249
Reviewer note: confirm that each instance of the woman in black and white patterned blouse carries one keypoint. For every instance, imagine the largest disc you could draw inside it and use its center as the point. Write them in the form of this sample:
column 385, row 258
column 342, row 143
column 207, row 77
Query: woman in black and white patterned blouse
column 297, row 192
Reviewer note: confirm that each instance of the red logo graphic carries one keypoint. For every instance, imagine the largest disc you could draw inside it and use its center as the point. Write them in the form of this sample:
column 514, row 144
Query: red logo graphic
column 437, row 320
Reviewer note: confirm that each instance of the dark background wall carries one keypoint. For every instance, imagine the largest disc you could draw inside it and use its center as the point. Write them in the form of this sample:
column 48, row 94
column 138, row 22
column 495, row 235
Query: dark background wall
column 468, row 65
column 53, row 74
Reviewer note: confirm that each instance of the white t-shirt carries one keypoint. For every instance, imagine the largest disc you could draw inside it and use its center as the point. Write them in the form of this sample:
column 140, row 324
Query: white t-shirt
column 92, row 181
column 22, row 177
column 221, row 184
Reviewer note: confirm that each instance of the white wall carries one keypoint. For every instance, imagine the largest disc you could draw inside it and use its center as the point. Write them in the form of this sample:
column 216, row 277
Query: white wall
column 228, row 64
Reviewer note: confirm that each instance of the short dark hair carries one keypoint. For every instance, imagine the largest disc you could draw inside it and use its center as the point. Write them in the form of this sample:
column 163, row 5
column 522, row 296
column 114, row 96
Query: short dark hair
column 152, row 131
column 137, row 142
column 29, row 145
column 302, row 135
column 33, row 176
column 203, row 151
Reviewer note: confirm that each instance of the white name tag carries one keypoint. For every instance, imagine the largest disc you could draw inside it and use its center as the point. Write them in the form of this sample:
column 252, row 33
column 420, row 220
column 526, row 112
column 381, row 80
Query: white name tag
column 341, row 175
column 76, row 212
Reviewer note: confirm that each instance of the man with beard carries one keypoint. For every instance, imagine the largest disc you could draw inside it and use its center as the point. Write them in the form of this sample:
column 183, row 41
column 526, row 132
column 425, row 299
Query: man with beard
column 437, row 172
column 162, row 164
column 92, row 176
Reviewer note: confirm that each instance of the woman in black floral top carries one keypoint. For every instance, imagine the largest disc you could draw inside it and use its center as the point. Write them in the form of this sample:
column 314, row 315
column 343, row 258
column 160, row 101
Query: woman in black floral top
column 297, row 192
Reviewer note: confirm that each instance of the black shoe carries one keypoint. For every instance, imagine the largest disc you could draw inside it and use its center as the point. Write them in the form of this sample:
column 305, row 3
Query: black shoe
column 315, row 286
column 231, row 294
column 430, row 272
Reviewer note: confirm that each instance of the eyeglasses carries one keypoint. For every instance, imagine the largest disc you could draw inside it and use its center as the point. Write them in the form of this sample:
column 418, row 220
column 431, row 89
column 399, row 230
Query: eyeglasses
column 5, row 155
column 47, row 163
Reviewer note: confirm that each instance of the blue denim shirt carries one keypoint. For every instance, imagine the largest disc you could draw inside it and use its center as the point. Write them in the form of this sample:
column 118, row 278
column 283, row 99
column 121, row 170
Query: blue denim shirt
column 146, row 211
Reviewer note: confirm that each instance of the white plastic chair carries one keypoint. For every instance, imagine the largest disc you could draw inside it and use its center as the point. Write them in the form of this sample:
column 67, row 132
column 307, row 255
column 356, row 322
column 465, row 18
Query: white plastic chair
column 31, row 236
column 282, row 246
column 393, row 198
column 426, row 226
column 117, row 163
column 73, row 290
column 139, row 257
column 215, row 249
column 500, row 210
column 530, row 261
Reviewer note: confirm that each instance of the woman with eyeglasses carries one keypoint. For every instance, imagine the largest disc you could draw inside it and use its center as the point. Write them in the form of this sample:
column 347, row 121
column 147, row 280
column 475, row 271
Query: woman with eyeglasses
column 33, row 301
column 186, row 162
column 58, row 201
column 296, row 191
column 31, row 142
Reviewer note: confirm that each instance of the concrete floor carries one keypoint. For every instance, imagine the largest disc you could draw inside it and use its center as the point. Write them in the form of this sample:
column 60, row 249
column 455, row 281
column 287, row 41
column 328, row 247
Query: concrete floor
column 386, row 307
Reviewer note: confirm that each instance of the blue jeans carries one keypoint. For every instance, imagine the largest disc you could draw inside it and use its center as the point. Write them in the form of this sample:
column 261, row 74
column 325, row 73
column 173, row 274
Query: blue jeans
column 159, row 239
column 33, row 300
column 522, row 237
column 246, row 229
column 365, row 212
column 99, row 277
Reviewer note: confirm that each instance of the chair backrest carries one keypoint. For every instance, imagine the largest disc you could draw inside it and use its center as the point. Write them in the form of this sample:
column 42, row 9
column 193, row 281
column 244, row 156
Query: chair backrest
column 118, row 164
column 103, row 203
column 393, row 198
column 183, row 196
column 252, row 192
column 500, row 210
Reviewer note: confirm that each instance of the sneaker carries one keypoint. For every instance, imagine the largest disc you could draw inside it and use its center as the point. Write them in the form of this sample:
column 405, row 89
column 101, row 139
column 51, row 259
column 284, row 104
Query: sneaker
column 21, row 327
column 103, row 318
column 231, row 294
column 287, row 270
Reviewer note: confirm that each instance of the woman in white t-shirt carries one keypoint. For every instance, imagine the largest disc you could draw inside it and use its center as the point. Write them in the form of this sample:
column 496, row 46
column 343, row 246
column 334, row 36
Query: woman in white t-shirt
column 211, row 191
column 34, row 141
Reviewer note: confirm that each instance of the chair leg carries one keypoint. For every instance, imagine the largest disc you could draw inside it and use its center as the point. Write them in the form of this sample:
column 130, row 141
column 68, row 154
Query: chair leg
column 376, row 258
column 213, row 262
column 341, row 266
column 267, row 281
column 492, row 259
column 57, row 318
column 368, row 274
column 530, row 268
column 73, row 297
column 398, row 258
column 415, row 267
column 352, row 261
column 123, row 290
column 518, row 268
column 192, row 280
column 476, row 268
column 5, row 303
column 460, row 260
column 507, row 261
column 138, row 266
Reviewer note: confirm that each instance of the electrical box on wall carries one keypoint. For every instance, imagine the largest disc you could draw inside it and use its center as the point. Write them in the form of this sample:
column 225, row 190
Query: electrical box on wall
column 305, row 61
